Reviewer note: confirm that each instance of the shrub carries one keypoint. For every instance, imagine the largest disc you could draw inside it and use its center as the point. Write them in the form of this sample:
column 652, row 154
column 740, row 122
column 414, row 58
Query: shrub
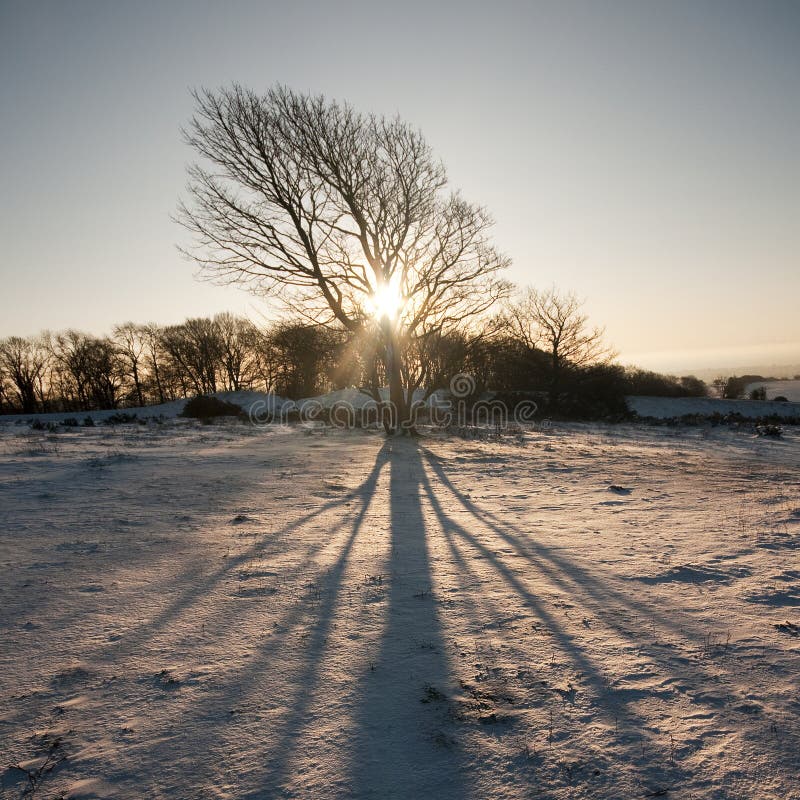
column 206, row 407
column 88, row 422
column 120, row 418
column 594, row 392
column 38, row 425
column 769, row 429
column 780, row 399
column 644, row 382
column 69, row 422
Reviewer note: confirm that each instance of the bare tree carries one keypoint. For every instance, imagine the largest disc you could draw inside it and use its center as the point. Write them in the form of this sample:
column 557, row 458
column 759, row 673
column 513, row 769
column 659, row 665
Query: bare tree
column 105, row 373
column 305, row 356
column 24, row 362
column 6, row 392
column 72, row 363
column 154, row 358
column 89, row 371
column 343, row 216
column 266, row 364
column 130, row 339
column 196, row 350
column 238, row 341
column 553, row 321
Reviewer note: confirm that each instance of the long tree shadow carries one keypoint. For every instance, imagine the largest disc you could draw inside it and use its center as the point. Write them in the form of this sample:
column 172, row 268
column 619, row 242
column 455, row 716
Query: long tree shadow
column 183, row 592
column 697, row 675
column 649, row 773
column 267, row 774
column 453, row 530
column 210, row 719
column 400, row 746
column 279, row 758
column 198, row 589
column 195, row 584
column 398, row 736
column 563, row 573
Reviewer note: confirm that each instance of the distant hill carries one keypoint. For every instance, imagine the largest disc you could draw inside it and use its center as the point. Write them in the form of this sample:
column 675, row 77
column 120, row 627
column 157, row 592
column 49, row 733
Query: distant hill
column 768, row 370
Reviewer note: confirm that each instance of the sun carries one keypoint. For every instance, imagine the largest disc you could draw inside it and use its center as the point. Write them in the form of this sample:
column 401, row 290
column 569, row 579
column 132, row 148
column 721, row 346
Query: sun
column 385, row 301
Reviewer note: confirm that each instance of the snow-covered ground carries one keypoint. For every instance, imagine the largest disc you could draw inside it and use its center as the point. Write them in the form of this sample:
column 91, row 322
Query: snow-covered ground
column 244, row 399
column 259, row 403
column 666, row 407
column 231, row 611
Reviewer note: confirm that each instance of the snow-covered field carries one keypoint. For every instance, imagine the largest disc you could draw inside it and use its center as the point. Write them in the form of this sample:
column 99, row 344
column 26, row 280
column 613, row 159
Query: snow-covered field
column 665, row 407
column 788, row 389
column 229, row 611
column 244, row 399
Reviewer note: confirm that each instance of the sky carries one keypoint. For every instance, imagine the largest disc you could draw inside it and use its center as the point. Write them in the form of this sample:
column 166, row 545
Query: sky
column 642, row 154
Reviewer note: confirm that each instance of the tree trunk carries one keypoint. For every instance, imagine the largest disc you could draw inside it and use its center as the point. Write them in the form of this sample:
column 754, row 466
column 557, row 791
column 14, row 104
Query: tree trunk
column 395, row 424
column 138, row 384
column 157, row 378
column 555, row 381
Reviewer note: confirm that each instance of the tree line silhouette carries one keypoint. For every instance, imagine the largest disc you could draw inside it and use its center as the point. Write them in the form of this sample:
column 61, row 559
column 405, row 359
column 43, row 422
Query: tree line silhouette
column 550, row 354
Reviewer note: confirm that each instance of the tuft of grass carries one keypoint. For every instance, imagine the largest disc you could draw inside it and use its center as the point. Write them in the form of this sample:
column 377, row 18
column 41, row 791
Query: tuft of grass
column 54, row 756
column 121, row 418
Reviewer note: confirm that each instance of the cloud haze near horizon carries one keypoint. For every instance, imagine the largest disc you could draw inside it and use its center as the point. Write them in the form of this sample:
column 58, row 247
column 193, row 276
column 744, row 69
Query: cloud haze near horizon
column 641, row 154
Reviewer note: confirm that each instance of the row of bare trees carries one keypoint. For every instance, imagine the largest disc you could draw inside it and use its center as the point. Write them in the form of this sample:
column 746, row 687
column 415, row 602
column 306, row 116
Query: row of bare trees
column 145, row 364
column 541, row 341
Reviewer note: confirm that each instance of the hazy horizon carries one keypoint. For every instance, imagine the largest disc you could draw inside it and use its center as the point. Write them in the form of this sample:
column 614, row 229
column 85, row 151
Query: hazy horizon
column 642, row 155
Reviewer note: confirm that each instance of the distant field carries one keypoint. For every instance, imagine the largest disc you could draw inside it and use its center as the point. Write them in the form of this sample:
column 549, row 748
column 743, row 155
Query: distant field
column 666, row 407
column 788, row 389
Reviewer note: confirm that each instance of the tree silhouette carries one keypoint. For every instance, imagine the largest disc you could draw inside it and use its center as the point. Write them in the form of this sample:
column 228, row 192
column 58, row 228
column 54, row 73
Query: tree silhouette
column 552, row 321
column 344, row 217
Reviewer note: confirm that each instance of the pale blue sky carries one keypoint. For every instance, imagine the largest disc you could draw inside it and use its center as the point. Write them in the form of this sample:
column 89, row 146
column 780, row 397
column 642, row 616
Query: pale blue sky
column 644, row 154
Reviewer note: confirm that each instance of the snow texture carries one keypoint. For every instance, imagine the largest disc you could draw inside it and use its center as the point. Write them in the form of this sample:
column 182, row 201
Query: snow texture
column 233, row 611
